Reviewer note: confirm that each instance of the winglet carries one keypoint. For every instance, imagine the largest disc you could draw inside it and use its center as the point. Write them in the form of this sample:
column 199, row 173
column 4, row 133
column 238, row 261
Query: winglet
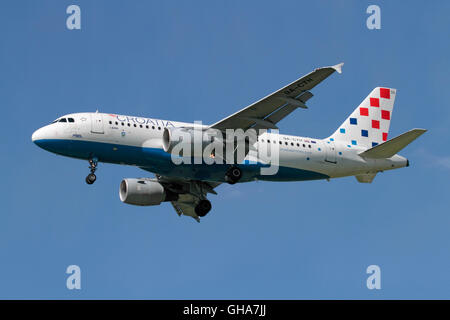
column 338, row 67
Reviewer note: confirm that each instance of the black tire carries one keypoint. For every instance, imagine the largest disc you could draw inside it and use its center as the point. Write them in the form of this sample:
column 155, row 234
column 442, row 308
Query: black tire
column 229, row 180
column 236, row 173
column 233, row 175
column 202, row 208
column 90, row 179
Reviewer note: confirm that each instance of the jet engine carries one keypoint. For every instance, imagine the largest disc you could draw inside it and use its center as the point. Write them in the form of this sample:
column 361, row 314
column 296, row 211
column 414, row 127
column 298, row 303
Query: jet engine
column 144, row 192
column 173, row 136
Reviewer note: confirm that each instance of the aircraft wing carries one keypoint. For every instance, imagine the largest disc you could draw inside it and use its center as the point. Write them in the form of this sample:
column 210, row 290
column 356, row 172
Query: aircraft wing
column 185, row 205
column 190, row 192
column 266, row 112
column 186, row 208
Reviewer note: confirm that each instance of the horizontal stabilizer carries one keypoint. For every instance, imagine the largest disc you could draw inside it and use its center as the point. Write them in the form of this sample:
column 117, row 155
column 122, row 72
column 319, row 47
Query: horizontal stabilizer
column 389, row 148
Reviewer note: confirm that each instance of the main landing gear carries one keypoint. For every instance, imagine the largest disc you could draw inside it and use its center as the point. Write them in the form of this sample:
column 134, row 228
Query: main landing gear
column 91, row 177
column 233, row 175
column 203, row 207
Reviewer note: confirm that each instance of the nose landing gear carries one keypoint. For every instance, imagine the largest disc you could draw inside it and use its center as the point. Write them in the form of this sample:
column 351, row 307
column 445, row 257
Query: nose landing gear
column 91, row 177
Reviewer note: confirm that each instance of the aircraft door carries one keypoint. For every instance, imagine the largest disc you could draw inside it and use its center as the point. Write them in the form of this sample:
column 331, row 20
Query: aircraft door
column 97, row 123
column 330, row 149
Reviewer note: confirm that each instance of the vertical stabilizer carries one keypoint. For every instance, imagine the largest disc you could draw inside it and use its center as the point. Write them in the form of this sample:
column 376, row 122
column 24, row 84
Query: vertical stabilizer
column 369, row 123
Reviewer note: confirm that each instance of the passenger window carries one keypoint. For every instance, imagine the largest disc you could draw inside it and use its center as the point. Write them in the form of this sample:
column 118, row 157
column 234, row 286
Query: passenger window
column 128, row 124
column 146, row 127
column 159, row 128
column 153, row 127
column 298, row 145
column 309, row 146
column 304, row 146
column 117, row 123
column 285, row 143
column 281, row 142
column 292, row 144
column 123, row 124
column 134, row 125
column 110, row 122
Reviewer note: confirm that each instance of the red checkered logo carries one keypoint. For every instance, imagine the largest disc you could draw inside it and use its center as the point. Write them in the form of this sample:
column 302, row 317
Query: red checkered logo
column 375, row 124
column 386, row 115
column 385, row 93
column 374, row 102
column 385, row 136
column 364, row 111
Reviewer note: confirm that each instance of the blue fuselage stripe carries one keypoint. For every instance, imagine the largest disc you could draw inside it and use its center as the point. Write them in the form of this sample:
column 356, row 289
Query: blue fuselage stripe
column 158, row 161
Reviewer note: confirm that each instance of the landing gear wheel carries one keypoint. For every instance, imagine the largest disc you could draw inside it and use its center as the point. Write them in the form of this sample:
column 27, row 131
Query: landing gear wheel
column 90, row 179
column 202, row 208
column 233, row 175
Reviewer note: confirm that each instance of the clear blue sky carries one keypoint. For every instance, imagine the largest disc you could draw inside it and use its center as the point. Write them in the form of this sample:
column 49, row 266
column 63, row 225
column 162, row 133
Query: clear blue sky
column 202, row 60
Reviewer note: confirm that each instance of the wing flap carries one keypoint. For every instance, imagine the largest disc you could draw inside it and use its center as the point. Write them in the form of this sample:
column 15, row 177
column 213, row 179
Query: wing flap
column 186, row 209
column 189, row 193
column 286, row 110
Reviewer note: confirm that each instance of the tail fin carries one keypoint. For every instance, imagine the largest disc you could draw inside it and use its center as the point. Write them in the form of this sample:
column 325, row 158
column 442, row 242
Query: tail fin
column 368, row 125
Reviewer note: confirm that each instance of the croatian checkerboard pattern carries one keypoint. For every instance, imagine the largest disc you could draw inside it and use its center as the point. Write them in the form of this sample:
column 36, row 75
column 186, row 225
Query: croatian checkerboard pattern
column 368, row 125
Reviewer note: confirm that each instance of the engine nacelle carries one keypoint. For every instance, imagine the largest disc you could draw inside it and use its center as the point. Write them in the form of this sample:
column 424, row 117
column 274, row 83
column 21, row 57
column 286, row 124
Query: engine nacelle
column 173, row 136
column 142, row 192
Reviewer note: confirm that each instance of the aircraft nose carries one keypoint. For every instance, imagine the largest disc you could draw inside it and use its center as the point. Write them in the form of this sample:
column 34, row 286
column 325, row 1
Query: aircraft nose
column 37, row 135
column 47, row 139
column 40, row 136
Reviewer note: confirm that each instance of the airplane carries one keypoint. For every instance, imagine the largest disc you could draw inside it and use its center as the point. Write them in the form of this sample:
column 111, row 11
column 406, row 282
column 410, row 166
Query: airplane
column 359, row 147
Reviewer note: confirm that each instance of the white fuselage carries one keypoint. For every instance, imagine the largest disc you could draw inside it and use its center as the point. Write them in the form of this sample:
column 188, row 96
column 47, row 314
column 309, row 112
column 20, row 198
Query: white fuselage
column 137, row 141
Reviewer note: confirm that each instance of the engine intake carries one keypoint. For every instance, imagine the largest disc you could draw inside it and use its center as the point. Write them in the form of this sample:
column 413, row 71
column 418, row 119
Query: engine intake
column 172, row 136
column 142, row 192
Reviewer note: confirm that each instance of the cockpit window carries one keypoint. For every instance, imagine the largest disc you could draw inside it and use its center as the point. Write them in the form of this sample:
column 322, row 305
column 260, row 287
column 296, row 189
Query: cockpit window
column 63, row 120
column 71, row 120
